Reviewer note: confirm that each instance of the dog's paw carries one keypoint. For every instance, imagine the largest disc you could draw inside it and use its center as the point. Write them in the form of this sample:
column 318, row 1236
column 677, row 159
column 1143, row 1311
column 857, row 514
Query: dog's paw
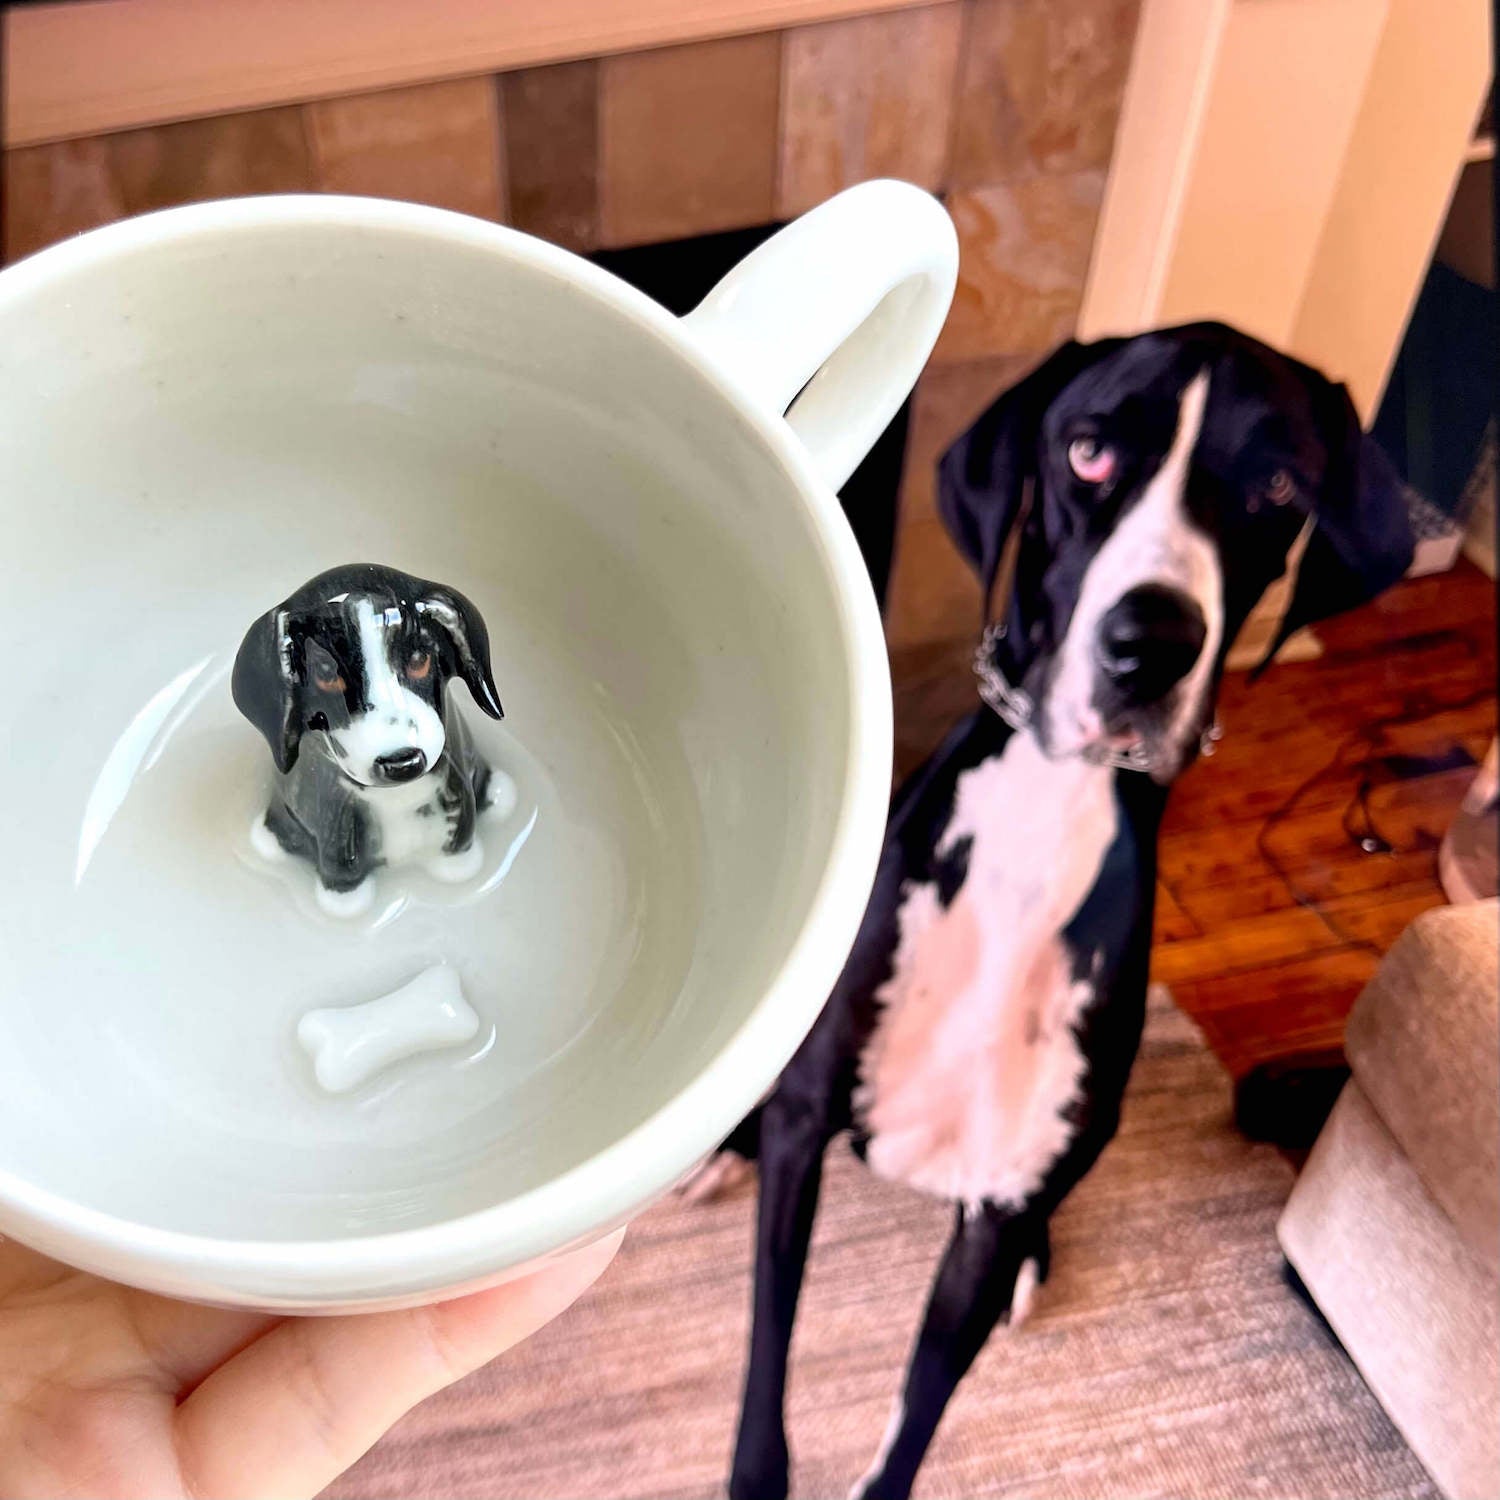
column 266, row 844
column 353, row 903
column 878, row 1482
column 454, row 869
column 722, row 1173
column 761, row 1471
column 501, row 796
column 1022, row 1298
column 878, row 1486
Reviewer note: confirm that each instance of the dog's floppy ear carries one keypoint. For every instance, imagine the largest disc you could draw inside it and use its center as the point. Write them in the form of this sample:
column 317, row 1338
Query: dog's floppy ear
column 267, row 685
column 982, row 477
column 457, row 618
column 1361, row 541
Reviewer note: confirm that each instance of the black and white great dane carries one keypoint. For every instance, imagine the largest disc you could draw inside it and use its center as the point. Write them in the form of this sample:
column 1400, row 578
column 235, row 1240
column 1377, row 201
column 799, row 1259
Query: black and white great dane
column 1148, row 490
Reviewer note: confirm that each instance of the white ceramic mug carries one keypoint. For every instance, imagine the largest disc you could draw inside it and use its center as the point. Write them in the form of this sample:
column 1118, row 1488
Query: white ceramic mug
column 200, row 409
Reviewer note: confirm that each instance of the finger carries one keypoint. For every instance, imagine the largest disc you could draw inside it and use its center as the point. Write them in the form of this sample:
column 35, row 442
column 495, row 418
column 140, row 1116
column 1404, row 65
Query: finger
column 295, row 1409
column 178, row 1343
column 23, row 1271
column 185, row 1342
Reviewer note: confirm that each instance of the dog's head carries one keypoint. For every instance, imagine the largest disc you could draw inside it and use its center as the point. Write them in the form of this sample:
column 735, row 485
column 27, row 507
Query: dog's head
column 361, row 655
column 1153, row 487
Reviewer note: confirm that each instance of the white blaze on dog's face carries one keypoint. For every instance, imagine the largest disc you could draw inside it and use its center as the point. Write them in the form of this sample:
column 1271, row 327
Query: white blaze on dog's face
column 393, row 723
column 1135, row 665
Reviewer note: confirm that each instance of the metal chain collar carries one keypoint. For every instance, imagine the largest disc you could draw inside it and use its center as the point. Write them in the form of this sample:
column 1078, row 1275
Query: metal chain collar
column 1016, row 708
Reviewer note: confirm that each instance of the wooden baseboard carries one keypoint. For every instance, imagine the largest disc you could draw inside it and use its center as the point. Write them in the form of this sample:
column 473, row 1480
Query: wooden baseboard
column 1479, row 536
column 87, row 69
column 1479, row 546
column 1249, row 650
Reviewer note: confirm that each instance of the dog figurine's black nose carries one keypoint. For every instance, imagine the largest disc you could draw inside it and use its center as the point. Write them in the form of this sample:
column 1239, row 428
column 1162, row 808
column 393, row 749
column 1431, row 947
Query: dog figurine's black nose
column 401, row 765
column 1149, row 639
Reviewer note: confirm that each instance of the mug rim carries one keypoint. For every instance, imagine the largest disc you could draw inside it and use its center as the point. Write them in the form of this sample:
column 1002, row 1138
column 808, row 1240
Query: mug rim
column 609, row 1186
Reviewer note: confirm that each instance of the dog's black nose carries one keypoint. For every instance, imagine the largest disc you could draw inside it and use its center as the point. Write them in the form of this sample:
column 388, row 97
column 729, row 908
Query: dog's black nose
column 401, row 765
column 1149, row 639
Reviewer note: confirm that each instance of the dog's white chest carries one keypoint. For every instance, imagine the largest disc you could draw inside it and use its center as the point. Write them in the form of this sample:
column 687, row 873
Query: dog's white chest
column 975, row 1058
column 410, row 820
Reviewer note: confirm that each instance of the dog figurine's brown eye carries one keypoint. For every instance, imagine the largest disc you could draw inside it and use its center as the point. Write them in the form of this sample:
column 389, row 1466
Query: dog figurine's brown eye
column 419, row 665
column 1092, row 461
column 1281, row 488
column 324, row 670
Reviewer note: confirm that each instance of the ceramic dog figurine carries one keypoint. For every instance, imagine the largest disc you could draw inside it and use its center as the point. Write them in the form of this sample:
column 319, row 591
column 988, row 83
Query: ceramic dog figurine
column 979, row 1040
column 346, row 680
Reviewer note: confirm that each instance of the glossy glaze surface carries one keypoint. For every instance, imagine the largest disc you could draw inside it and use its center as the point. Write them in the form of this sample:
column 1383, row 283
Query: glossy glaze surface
column 693, row 666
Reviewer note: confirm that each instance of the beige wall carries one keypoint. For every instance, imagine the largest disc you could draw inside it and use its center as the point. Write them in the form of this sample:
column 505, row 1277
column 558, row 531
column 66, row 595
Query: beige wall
column 1285, row 165
column 1425, row 88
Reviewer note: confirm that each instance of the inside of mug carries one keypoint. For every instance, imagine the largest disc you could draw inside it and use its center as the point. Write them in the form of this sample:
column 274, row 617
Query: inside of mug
column 190, row 429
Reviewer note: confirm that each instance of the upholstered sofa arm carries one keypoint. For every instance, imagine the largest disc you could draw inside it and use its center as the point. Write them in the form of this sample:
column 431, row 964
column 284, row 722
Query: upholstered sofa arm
column 1424, row 1044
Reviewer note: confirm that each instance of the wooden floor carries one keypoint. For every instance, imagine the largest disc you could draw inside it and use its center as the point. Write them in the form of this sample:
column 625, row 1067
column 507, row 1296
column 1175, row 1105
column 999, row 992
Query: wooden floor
column 1165, row 1356
column 1270, row 916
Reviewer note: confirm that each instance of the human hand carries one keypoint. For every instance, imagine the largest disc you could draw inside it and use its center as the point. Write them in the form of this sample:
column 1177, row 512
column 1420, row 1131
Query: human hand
column 113, row 1393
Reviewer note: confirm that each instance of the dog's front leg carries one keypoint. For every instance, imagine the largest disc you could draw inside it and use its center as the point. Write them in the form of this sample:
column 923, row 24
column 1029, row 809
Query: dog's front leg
column 463, row 810
column 976, row 1286
column 793, row 1136
column 345, row 863
column 462, row 855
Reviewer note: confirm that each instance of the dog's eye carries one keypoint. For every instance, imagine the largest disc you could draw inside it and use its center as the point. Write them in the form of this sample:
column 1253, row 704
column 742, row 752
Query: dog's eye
column 328, row 680
column 419, row 665
column 1281, row 488
column 1092, row 461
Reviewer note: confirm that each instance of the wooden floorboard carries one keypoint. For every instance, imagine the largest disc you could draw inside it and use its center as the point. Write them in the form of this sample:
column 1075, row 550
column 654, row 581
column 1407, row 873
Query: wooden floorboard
column 1270, row 916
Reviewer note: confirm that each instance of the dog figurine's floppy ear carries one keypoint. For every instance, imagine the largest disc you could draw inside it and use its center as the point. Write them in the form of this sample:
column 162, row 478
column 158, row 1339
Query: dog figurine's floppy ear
column 1361, row 541
column 267, row 685
column 982, row 477
column 459, row 621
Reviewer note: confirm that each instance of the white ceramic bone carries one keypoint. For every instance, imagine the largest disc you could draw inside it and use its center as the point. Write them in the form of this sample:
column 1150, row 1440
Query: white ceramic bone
column 350, row 1044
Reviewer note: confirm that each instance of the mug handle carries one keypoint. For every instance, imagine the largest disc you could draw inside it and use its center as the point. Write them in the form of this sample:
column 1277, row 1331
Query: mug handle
column 843, row 306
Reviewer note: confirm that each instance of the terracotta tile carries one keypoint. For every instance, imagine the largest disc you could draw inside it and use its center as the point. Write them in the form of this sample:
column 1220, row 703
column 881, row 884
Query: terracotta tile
column 552, row 151
column 932, row 593
column 55, row 191
column 687, row 139
column 1023, row 255
column 437, row 143
column 948, row 398
column 225, row 156
column 866, row 97
column 1040, row 87
column 933, row 687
